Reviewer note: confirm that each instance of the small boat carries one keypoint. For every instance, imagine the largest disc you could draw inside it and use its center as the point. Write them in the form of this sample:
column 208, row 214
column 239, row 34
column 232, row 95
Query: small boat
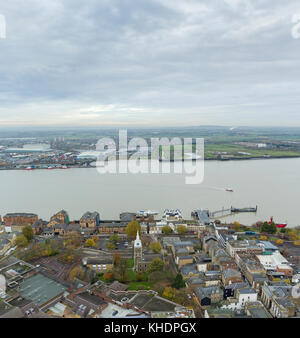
column 278, row 225
column 50, row 168
column 229, row 189
column 29, row 168
column 64, row 167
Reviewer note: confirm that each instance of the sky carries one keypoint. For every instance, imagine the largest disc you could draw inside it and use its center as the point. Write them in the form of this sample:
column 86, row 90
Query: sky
column 150, row 63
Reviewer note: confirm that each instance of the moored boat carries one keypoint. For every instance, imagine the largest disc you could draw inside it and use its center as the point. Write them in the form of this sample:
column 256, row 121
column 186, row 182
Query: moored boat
column 278, row 225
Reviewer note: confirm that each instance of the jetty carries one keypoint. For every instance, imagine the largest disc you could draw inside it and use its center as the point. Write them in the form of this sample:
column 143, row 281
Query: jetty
column 205, row 215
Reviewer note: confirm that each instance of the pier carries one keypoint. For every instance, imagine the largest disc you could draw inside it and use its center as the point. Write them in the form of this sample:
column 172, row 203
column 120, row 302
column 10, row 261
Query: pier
column 205, row 214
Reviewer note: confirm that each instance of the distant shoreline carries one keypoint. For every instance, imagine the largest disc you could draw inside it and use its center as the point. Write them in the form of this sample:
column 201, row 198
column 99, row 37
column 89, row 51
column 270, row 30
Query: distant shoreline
column 172, row 161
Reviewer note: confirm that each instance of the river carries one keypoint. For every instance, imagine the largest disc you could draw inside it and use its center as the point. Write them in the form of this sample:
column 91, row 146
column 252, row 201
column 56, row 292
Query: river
column 273, row 185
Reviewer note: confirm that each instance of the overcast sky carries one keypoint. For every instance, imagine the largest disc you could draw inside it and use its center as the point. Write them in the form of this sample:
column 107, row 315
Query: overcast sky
column 150, row 62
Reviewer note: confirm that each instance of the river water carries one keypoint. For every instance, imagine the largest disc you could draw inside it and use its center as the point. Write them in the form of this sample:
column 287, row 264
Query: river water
column 273, row 185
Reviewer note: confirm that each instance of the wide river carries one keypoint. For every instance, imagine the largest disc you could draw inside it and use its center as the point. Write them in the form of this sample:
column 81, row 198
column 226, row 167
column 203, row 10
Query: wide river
column 273, row 185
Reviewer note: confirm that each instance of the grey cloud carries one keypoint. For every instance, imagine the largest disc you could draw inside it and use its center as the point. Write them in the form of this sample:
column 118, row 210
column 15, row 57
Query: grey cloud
column 188, row 62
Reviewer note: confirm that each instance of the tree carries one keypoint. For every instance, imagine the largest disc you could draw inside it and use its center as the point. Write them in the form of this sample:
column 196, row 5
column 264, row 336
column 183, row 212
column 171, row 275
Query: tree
column 68, row 256
column 90, row 243
column 108, row 276
column 181, row 229
column 263, row 238
column 21, row 241
column 116, row 258
column 76, row 272
column 28, row 232
column 156, row 265
column 121, row 269
column 269, row 228
column 132, row 228
column 169, row 293
column 179, row 282
column 95, row 239
column 279, row 241
column 166, row 230
column 72, row 241
column 155, row 247
column 114, row 239
column 139, row 276
column 297, row 243
column 237, row 226
column 156, row 276
column 110, row 246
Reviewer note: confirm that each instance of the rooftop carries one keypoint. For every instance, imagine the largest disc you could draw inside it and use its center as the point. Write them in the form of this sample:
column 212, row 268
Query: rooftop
column 40, row 289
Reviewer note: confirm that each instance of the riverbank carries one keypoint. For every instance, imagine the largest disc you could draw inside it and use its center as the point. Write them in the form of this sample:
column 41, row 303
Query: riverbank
column 78, row 166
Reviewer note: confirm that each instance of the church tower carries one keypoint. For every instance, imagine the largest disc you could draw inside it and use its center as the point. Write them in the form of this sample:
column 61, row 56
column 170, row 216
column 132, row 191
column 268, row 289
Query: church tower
column 138, row 251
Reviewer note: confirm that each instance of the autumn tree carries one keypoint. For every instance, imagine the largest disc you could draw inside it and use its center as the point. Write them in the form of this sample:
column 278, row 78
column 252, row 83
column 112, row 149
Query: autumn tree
column 76, row 272
column 27, row 231
column 114, row 239
column 108, row 276
column 90, row 243
column 72, row 241
column 116, row 258
column 21, row 241
column 156, row 265
column 237, row 226
column 279, row 241
column 181, row 229
column 122, row 269
column 166, row 230
column 156, row 276
column 132, row 228
column 155, row 247
column 110, row 246
column 169, row 293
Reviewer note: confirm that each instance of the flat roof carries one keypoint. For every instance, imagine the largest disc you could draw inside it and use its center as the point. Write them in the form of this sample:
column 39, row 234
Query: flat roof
column 40, row 289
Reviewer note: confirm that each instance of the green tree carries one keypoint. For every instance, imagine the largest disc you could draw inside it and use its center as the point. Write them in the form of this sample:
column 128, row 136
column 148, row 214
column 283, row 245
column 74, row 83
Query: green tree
column 269, row 228
column 179, row 282
column 132, row 228
column 114, row 239
column 28, row 232
column 166, row 230
column 21, row 241
column 156, row 265
column 181, row 229
column 155, row 247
